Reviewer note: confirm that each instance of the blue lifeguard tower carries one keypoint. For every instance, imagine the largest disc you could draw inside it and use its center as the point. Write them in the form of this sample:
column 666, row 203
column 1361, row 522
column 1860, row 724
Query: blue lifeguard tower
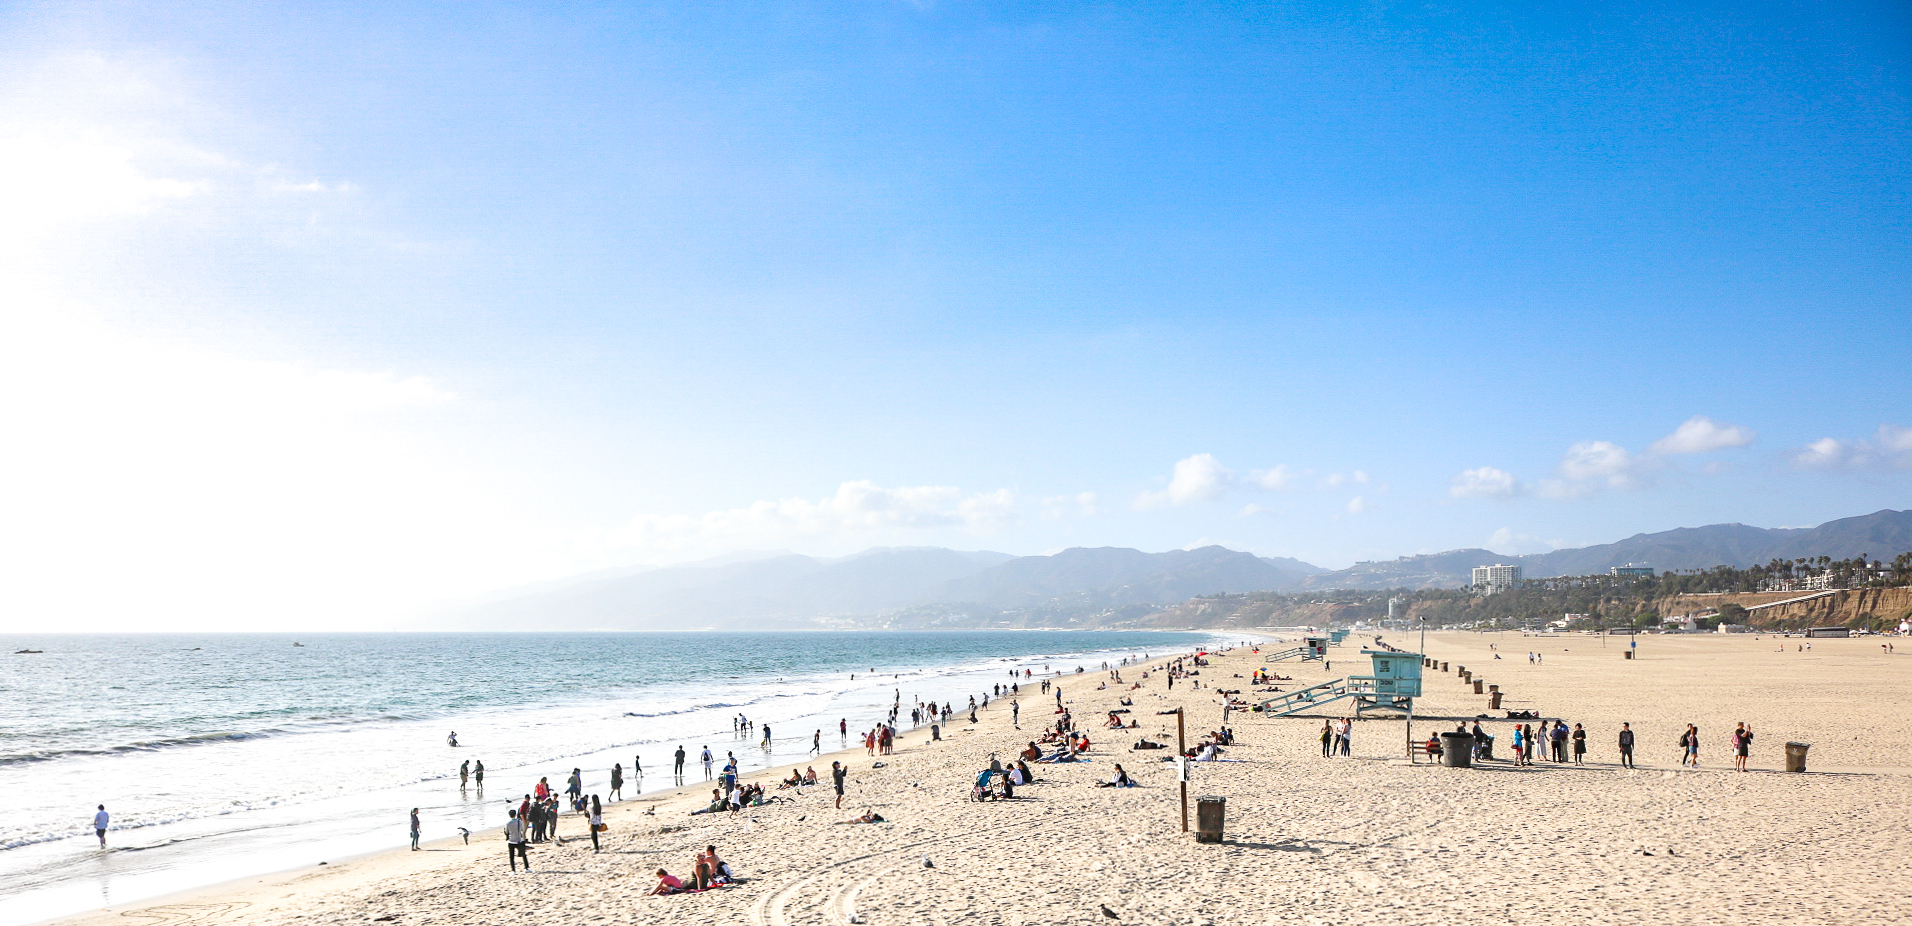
column 1336, row 636
column 1313, row 649
column 1393, row 682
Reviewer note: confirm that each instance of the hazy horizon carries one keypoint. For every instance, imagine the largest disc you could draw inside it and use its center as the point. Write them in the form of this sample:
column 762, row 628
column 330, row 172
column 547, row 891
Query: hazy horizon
column 338, row 314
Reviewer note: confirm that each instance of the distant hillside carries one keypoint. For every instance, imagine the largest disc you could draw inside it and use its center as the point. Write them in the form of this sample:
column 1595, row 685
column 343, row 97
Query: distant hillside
column 943, row 587
column 921, row 587
column 1880, row 534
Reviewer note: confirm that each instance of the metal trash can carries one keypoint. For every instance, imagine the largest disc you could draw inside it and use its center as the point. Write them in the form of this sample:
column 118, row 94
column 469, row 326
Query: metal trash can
column 1208, row 818
column 1796, row 756
column 1493, row 701
column 1477, row 685
column 1457, row 750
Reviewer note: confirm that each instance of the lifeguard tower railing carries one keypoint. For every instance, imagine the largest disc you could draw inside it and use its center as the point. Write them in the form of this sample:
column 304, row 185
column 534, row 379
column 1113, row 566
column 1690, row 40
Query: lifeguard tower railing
column 1393, row 686
column 1311, row 649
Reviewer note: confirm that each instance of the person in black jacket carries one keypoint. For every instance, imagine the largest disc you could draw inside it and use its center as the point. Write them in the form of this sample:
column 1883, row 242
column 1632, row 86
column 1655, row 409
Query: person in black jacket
column 1626, row 746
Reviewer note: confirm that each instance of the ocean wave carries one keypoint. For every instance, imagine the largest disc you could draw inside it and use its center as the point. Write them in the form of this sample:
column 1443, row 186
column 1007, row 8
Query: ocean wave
column 154, row 745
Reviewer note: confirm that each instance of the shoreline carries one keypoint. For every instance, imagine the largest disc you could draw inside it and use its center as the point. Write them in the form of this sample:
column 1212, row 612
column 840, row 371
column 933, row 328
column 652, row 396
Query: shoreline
column 1372, row 839
column 128, row 861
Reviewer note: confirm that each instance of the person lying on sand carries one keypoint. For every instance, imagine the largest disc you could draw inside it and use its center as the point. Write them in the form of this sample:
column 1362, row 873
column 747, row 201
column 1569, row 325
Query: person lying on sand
column 1147, row 744
column 869, row 816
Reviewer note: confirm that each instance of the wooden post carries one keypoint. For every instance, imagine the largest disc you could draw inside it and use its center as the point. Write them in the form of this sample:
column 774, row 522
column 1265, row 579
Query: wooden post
column 1181, row 751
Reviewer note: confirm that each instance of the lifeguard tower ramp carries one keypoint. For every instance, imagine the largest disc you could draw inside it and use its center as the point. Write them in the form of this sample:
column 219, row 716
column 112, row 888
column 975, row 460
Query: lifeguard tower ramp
column 1311, row 649
column 1336, row 636
column 1393, row 685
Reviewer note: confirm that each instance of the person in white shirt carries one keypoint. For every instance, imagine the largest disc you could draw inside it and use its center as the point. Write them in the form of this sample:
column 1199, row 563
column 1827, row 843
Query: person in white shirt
column 514, row 842
column 100, row 820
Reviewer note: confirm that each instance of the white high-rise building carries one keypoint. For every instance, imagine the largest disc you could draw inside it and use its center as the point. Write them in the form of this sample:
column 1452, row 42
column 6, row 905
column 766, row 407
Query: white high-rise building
column 1497, row 577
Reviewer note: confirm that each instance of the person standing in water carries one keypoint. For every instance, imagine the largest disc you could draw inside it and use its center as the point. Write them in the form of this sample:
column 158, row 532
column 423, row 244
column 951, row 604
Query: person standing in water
column 464, row 772
column 680, row 765
column 766, row 736
column 102, row 819
column 452, row 740
column 478, row 772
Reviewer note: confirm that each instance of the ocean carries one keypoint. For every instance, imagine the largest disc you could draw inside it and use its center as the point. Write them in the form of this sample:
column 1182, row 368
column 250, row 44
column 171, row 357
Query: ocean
column 226, row 755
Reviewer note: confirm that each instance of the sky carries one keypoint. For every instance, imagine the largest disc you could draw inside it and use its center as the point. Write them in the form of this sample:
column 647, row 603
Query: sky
column 323, row 316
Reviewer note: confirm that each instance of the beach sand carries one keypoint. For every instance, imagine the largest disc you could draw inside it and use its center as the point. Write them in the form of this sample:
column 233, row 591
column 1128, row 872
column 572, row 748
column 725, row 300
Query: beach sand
column 1367, row 839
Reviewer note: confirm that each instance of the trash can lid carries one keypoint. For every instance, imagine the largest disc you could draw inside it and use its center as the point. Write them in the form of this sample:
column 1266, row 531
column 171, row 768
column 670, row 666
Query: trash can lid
column 1800, row 745
column 1211, row 799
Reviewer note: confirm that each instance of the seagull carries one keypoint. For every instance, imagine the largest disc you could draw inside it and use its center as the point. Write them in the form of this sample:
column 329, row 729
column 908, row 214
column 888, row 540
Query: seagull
column 927, row 863
column 1108, row 912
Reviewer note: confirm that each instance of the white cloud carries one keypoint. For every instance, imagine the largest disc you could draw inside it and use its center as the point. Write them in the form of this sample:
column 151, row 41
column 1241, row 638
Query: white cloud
column 1198, row 478
column 1590, row 466
column 1889, row 448
column 1700, row 434
column 1484, row 482
column 1357, row 504
column 1275, row 479
column 859, row 507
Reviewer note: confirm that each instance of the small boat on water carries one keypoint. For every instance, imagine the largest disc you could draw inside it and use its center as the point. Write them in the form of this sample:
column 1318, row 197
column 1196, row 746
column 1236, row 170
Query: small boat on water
column 28, row 652
column 297, row 643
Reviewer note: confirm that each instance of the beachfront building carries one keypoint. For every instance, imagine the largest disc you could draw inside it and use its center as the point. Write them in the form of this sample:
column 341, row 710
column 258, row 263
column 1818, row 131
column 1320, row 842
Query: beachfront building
column 1632, row 570
column 1497, row 577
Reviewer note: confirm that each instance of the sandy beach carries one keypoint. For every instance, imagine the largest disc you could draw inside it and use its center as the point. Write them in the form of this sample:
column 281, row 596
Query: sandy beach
column 1370, row 838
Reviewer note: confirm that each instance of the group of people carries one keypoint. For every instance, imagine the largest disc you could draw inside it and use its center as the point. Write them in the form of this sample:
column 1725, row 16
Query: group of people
column 707, row 871
column 1553, row 736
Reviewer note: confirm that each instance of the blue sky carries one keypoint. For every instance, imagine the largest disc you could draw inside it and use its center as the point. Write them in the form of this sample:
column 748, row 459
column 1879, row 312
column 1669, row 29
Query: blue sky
column 332, row 312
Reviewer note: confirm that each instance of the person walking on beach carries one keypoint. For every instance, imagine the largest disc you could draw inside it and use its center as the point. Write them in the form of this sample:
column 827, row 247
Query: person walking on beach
column 1742, row 745
column 597, row 821
column 843, row 727
column 1690, row 746
column 1327, row 739
column 1626, row 746
column 1579, row 744
column 706, row 763
column 617, row 781
column 102, row 819
column 637, row 767
column 414, row 829
column 837, row 774
column 1015, row 714
column 514, row 842
column 816, row 743
column 464, row 772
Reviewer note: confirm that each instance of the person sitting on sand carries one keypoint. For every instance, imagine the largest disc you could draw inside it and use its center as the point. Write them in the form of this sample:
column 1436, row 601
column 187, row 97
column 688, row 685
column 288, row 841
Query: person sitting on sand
column 1114, row 722
column 794, row 780
column 717, row 803
column 1032, row 753
column 810, row 775
column 1208, row 753
column 1128, row 702
column 667, row 883
column 720, row 872
column 1119, row 780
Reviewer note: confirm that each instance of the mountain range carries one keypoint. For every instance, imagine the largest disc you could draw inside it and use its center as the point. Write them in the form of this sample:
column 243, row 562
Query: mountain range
column 1083, row 586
